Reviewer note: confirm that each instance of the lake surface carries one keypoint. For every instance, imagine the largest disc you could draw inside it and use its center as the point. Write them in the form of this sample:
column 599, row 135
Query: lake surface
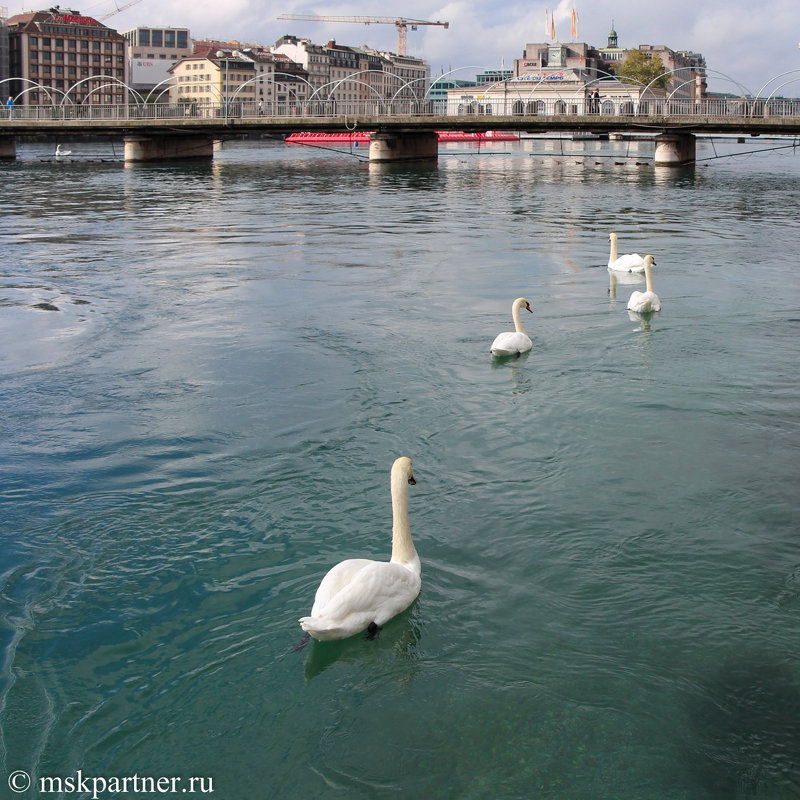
column 608, row 526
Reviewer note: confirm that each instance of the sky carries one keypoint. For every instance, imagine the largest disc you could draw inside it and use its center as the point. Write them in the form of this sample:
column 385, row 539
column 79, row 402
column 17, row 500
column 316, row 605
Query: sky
column 747, row 46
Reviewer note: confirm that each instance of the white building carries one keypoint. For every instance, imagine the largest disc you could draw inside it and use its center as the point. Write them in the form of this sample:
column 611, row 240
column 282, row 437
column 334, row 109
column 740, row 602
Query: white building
column 152, row 51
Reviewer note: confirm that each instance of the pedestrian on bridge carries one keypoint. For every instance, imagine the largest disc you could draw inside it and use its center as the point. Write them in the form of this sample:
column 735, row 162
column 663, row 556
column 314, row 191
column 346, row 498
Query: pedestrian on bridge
column 10, row 106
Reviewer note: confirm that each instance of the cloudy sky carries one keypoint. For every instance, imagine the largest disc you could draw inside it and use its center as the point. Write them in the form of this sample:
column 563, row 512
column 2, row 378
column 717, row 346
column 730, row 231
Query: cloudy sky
column 749, row 42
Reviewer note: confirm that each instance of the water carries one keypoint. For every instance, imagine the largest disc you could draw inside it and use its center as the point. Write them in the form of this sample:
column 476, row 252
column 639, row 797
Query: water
column 608, row 525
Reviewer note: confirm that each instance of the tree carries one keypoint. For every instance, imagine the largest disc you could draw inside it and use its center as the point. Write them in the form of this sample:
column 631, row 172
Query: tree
column 640, row 68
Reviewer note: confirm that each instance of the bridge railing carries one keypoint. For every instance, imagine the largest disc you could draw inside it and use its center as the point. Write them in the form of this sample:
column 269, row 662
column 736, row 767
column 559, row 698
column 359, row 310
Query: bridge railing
column 495, row 107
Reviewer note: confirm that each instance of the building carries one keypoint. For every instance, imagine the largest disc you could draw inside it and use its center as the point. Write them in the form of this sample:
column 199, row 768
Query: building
column 151, row 52
column 356, row 74
column 313, row 58
column 3, row 47
column 60, row 55
column 439, row 88
column 687, row 70
column 576, row 78
column 243, row 80
column 493, row 76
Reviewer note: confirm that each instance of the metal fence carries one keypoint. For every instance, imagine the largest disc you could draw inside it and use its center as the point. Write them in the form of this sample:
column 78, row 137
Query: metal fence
column 744, row 108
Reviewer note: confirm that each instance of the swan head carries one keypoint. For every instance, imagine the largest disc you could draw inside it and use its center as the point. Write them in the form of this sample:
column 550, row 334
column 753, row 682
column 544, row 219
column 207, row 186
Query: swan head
column 522, row 302
column 402, row 469
column 612, row 237
column 649, row 261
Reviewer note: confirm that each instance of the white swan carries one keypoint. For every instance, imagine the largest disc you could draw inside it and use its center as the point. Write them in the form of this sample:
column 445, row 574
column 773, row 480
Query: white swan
column 630, row 262
column 512, row 343
column 360, row 594
column 60, row 152
column 648, row 300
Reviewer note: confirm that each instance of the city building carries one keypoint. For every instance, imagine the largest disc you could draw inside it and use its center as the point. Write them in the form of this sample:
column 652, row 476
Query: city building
column 208, row 82
column 576, row 78
column 356, row 74
column 439, row 88
column 493, row 76
column 313, row 58
column 60, row 55
column 151, row 52
column 3, row 47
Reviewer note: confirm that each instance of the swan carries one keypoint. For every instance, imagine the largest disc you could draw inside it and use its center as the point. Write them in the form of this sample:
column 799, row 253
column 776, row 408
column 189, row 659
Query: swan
column 631, row 262
column 359, row 594
column 512, row 343
column 60, row 152
column 648, row 300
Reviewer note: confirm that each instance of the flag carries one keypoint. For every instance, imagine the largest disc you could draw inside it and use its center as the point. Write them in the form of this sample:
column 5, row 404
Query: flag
column 552, row 27
column 546, row 22
column 574, row 24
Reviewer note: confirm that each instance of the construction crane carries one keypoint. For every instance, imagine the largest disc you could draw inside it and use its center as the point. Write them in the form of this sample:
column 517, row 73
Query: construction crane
column 118, row 9
column 401, row 23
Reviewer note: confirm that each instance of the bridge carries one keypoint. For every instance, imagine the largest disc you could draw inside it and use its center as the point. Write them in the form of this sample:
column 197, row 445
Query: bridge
column 403, row 130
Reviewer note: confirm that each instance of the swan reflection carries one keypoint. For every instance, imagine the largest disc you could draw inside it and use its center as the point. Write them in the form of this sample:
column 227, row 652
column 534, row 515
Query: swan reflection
column 398, row 641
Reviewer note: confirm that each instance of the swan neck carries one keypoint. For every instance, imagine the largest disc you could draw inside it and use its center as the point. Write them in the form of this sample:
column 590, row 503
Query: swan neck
column 403, row 549
column 613, row 257
column 515, row 316
column 648, row 276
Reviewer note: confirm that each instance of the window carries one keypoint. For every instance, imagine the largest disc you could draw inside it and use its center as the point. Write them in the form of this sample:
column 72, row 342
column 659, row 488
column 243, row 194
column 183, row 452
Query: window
column 60, row 43
column 45, row 41
column 144, row 38
column 157, row 39
column 183, row 40
column 34, row 40
column 169, row 38
column 72, row 44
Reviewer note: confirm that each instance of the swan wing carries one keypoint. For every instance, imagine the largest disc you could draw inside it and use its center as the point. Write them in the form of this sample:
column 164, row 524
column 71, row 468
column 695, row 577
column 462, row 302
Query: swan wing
column 336, row 579
column 627, row 263
column 357, row 592
column 510, row 343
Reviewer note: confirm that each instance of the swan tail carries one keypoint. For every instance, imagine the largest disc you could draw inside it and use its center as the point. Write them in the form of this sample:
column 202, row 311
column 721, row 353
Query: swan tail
column 324, row 630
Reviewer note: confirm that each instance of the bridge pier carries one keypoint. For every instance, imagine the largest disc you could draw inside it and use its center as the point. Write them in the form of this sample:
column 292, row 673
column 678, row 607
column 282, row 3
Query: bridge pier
column 8, row 148
column 675, row 149
column 168, row 148
column 420, row 146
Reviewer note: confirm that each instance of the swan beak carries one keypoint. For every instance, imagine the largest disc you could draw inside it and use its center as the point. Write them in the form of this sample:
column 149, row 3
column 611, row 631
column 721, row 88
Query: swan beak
column 411, row 480
column 528, row 306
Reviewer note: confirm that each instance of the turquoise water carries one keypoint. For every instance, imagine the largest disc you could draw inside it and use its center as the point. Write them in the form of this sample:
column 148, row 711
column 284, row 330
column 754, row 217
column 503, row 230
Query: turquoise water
column 608, row 526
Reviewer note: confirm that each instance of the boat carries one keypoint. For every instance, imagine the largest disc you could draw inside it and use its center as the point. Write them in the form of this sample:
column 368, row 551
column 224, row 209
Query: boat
column 362, row 137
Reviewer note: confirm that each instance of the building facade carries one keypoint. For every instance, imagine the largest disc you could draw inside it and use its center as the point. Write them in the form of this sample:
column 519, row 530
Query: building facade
column 242, row 80
column 356, row 74
column 151, row 52
column 3, row 47
column 61, row 56
column 576, row 78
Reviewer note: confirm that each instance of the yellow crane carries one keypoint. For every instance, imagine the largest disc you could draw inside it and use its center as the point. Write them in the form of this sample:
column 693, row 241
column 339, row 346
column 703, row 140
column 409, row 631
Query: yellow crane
column 401, row 23
column 118, row 9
